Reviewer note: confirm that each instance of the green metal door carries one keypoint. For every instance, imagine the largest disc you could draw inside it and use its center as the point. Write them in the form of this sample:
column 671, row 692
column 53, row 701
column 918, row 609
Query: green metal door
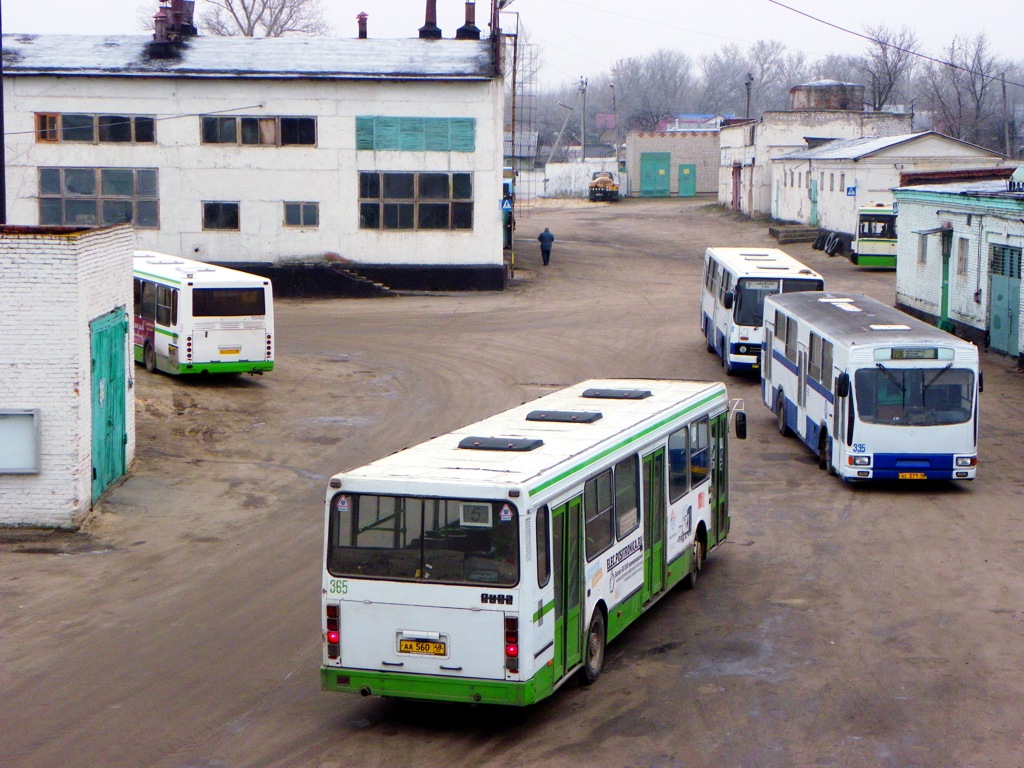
column 108, row 336
column 1004, row 299
column 947, row 249
column 654, row 174
column 565, row 539
column 687, row 180
column 812, row 195
column 654, row 523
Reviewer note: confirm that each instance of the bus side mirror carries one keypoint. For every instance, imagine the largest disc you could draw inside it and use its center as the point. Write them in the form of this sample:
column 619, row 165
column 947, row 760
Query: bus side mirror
column 981, row 381
column 727, row 300
column 843, row 385
column 741, row 425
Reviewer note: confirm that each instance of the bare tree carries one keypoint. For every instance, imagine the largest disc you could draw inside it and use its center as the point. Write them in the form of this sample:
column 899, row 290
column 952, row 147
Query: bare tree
column 963, row 94
column 652, row 87
column 888, row 63
column 264, row 18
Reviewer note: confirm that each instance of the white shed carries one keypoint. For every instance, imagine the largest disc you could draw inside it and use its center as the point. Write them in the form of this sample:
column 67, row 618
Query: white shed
column 825, row 185
column 67, row 404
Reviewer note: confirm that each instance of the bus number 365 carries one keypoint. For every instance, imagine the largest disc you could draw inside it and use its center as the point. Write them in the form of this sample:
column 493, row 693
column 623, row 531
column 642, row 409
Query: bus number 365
column 338, row 587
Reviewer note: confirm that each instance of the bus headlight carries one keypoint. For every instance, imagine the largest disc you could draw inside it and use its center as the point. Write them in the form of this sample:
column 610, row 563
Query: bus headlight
column 742, row 349
column 860, row 461
column 966, row 461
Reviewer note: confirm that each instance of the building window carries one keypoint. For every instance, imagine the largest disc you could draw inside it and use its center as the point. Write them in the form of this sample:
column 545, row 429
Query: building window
column 415, row 200
column 1006, row 261
column 302, row 214
column 842, row 182
column 831, row 182
column 922, row 249
column 99, row 197
column 92, row 129
column 259, row 131
column 416, row 134
column 962, row 246
column 218, row 215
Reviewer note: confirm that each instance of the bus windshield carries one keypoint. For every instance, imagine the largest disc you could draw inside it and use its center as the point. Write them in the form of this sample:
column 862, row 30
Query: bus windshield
column 751, row 292
column 882, row 226
column 914, row 396
column 228, row 302
column 451, row 541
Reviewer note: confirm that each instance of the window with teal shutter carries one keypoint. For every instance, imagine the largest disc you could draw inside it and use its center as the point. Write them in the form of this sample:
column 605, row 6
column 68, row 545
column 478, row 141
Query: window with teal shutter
column 412, row 134
column 364, row 132
column 462, row 134
column 416, row 134
column 387, row 133
column 435, row 130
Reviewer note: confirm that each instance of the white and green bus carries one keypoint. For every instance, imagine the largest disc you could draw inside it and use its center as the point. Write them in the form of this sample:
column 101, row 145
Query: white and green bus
column 875, row 242
column 491, row 564
column 192, row 317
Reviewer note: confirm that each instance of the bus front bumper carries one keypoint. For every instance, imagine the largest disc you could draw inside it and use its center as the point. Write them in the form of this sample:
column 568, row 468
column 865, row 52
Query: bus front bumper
column 428, row 687
column 889, row 466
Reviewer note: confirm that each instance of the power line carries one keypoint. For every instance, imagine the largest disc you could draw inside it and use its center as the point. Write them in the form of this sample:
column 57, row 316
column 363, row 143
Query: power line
column 890, row 45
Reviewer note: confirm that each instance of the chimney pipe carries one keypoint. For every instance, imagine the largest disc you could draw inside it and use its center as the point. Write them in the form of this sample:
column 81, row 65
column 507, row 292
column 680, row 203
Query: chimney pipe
column 361, row 18
column 430, row 30
column 469, row 31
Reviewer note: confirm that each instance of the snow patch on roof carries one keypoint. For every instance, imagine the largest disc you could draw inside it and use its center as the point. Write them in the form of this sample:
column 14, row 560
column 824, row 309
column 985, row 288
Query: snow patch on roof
column 320, row 57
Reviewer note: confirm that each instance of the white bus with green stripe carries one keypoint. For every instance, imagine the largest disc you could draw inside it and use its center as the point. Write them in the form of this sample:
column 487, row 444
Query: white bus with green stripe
column 192, row 317
column 493, row 563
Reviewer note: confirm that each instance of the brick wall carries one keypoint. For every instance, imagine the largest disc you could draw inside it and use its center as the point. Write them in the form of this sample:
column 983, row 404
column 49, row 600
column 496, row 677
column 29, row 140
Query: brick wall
column 55, row 283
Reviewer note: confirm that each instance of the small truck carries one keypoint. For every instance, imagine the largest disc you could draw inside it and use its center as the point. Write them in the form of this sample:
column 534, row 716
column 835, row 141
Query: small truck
column 604, row 187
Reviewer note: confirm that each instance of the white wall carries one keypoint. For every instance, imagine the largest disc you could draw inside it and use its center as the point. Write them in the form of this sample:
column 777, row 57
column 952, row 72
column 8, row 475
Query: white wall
column 54, row 286
column 573, row 179
column 262, row 178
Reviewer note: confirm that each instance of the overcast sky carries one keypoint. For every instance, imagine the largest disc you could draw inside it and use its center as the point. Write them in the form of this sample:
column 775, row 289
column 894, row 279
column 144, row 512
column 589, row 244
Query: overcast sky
column 585, row 37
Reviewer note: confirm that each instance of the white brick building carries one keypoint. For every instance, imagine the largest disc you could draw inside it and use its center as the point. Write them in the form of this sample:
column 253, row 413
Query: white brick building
column 958, row 261
column 824, row 186
column 747, row 149
column 383, row 154
column 67, row 407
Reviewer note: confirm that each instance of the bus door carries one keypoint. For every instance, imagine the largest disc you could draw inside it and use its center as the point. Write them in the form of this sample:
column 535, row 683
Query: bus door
column 801, row 390
column 654, row 511
column 719, row 461
column 565, row 540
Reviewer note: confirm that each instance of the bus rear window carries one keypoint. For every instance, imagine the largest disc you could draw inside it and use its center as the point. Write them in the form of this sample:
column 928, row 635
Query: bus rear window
column 451, row 541
column 228, row 302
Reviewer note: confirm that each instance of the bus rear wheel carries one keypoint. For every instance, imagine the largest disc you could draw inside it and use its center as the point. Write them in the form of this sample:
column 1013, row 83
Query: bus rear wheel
column 780, row 413
column 149, row 358
column 594, row 656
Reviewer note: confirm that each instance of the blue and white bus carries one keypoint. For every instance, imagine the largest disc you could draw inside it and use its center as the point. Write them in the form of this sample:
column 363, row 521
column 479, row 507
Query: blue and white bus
column 736, row 282
column 875, row 393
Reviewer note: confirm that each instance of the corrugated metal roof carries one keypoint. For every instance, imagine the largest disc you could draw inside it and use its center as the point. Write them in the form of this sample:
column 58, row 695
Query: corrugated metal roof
column 852, row 149
column 306, row 57
column 967, row 189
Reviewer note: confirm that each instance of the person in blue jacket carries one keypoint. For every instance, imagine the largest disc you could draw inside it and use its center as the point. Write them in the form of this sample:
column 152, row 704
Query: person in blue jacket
column 546, row 239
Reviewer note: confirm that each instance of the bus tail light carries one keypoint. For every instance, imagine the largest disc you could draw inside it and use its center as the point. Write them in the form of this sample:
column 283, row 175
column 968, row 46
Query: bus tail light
column 966, row 461
column 188, row 348
column 333, row 634
column 270, row 348
column 512, row 643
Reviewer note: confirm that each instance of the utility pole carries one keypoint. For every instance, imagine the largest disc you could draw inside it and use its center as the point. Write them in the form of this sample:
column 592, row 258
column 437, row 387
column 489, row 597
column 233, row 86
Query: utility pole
column 615, row 117
column 3, row 147
column 748, row 82
column 583, row 121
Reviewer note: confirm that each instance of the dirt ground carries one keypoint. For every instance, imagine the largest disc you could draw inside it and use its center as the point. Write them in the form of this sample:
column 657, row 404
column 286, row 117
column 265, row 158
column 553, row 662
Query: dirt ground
column 839, row 626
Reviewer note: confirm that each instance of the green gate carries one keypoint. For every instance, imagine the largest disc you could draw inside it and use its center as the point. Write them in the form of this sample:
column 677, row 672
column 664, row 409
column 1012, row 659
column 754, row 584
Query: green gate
column 1004, row 299
column 688, row 180
column 654, row 174
column 109, row 335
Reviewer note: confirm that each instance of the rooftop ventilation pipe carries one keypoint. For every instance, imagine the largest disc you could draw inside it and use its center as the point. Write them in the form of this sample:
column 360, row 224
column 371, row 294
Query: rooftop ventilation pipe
column 361, row 18
column 469, row 31
column 430, row 30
